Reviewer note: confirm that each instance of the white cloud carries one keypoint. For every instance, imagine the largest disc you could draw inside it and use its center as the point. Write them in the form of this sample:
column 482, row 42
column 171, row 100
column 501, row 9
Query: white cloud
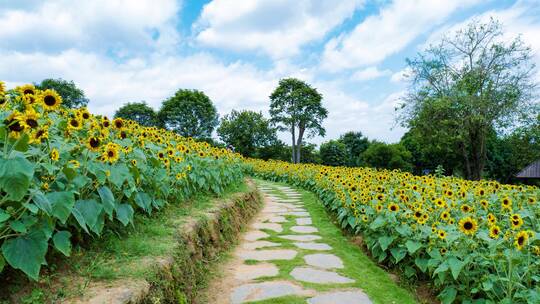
column 109, row 84
column 119, row 27
column 384, row 34
column 401, row 76
column 369, row 74
column 275, row 27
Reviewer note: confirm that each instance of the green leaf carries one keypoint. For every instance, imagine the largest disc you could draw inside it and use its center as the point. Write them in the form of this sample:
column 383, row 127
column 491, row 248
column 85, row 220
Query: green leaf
column 413, row 246
column 70, row 173
column 144, row 201
column 448, row 295
column 377, row 223
column 18, row 226
column 86, row 212
column 3, row 216
column 119, row 174
column 15, row 176
column 42, row 202
column 398, row 253
column 442, row 268
column 124, row 213
column 26, row 253
column 62, row 204
column 2, row 263
column 107, row 199
column 22, row 143
column 385, row 241
column 62, row 243
column 421, row 263
column 455, row 266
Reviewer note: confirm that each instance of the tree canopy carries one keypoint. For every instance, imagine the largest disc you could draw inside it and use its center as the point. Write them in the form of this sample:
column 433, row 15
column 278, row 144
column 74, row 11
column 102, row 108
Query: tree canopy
column 72, row 96
column 388, row 156
column 246, row 131
column 139, row 112
column 189, row 113
column 355, row 143
column 297, row 107
column 468, row 85
column 333, row 153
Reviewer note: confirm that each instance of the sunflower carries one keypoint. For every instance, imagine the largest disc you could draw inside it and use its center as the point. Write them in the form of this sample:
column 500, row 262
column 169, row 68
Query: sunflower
column 2, row 88
column 485, row 204
column 531, row 200
column 54, row 155
column 13, row 122
column 111, row 153
column 516, row 221
column 74, row 164
column 40, row 134
column 105, row 122
column 134, row 162
column 74, row 123
column 521, row 239
column 506, row 203
column 393, row 207
column 468, row 225
column 27, row 89
column 494, row 232
column 440, row 203
column 93, row 143
column 445, row 216
column 118, row 123
column 466, row 208
column 50, row 100
column 441, row 234
column 29, row 119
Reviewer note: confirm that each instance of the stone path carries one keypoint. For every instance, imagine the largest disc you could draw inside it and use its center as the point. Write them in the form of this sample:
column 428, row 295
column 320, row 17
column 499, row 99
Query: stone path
column 284, row 233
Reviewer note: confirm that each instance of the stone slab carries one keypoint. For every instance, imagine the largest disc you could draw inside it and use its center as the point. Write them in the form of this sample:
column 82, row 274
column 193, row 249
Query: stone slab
column 295, row 213
column 313, row 246
column 301, row 238
column 304, row 229
column 323, row 260
column 276, row 219
column 254, row 235
column 270, row 226
column 303, row 221
column 265, row 290
column 312, row 275
column 267, row 254
column 250, row 272
column 258, row 244
column 349, row 296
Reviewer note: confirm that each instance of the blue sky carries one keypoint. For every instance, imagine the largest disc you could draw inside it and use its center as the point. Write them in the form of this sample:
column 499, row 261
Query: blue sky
column 352, row 51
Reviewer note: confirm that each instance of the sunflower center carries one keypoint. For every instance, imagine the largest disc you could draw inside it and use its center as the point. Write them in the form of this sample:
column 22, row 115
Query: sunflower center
column 15, row 126
column 31, row 122
column 94, row 142
column 74, row 123
column 110, row 153
column 28, row 91
column 49, row 100
column 468, row 225
column 521, row 240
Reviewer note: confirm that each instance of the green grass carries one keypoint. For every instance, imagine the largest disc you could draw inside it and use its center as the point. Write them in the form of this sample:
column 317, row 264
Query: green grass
column 368, row 276
column 283, row 300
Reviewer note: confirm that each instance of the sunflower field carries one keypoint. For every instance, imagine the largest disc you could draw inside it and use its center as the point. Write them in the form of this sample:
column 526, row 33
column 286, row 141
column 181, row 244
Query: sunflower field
column 65, row 174
column 477, row 242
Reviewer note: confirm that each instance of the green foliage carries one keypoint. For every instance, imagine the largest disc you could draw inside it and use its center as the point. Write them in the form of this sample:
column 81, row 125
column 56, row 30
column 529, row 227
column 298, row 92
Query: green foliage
column 333, row 153
column 356, row 144
column 296, row 107
column 467, row 86
column 72, row 96
column 387, row 156
column 246, row 131
column 189, row 113
column 139, row 112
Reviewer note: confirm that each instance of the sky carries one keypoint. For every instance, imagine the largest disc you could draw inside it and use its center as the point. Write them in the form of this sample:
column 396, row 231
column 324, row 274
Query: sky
column 352, row 51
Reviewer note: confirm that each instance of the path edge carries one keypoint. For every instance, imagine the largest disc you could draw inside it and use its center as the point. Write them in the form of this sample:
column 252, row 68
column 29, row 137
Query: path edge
column 181, row 278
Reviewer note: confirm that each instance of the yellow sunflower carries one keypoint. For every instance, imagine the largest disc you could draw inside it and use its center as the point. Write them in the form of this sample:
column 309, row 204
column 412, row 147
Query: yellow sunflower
column 521, row 239
column 393, row 207
column 27, row 89
column 50, row 100
column 93, row 143
column 111, row 153
column 29, row 119
column 54, row 155
column 494, row 232
column 468, row 225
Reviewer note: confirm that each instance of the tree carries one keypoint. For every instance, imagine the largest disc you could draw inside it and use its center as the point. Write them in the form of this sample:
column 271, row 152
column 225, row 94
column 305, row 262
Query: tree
column 139, row 112
column 388, row 156
column 333, row 153
column 72, row 96
column 356, row 144
column 189, row 113
column 277, row 150
column 296, row 107
column 246, row 131
column 468, row 85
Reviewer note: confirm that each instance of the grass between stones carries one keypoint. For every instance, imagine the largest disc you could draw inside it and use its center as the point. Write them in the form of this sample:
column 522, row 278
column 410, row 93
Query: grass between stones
column 368, row 276
column 126, row 255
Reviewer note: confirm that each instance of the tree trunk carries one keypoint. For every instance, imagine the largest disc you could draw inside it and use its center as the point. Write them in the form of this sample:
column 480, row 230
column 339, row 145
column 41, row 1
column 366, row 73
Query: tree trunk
column 478, row 151
column 293, row 145
column 466, row 162
column 299, row 143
